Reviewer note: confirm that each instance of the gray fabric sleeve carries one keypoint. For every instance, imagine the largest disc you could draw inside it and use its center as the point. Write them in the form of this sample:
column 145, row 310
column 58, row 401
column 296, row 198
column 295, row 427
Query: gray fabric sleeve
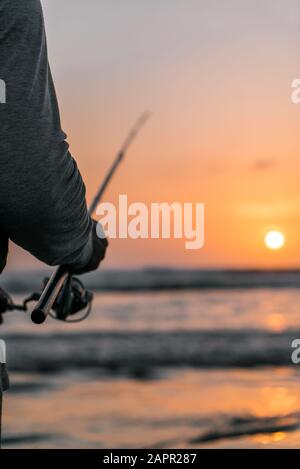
column 42, row 195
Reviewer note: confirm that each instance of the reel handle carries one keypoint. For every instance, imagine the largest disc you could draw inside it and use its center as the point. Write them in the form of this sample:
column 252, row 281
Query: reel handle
column 49, row 295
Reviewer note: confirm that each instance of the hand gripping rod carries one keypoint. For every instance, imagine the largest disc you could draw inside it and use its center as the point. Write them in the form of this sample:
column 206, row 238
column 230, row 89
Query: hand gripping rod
column 57, row 279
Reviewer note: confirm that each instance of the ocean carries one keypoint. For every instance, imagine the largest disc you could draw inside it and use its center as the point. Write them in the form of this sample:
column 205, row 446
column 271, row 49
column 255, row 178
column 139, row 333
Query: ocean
column 167, row 358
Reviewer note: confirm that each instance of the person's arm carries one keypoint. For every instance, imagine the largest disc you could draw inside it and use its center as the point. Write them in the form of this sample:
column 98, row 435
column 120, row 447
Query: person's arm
column 42, row 195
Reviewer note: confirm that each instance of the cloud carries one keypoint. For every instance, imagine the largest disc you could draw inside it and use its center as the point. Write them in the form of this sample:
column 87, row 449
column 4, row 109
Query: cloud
column 264, row 164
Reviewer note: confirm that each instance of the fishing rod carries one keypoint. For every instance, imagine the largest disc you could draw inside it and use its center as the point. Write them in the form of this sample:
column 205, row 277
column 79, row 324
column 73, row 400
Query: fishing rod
column 61, row 275
column 64, row 295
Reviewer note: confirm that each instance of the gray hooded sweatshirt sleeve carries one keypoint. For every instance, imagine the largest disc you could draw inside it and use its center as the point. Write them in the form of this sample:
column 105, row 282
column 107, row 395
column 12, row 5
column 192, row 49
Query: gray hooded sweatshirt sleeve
column 42, row 195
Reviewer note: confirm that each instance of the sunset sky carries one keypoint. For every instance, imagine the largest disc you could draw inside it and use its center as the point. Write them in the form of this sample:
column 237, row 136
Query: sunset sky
column 217, row 78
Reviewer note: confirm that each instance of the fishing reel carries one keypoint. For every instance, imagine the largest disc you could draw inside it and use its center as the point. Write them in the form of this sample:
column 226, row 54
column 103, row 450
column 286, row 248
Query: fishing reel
column 72, row 299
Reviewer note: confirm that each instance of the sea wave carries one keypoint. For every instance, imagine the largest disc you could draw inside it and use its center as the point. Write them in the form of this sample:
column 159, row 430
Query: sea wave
column 141, row 352
column 162, row 279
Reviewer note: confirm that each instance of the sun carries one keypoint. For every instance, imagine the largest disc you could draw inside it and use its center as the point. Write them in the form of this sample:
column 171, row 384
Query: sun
column 274, row 240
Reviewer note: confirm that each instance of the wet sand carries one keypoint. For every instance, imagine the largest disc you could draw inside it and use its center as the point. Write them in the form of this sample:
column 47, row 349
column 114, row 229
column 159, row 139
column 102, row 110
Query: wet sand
column 187, row 409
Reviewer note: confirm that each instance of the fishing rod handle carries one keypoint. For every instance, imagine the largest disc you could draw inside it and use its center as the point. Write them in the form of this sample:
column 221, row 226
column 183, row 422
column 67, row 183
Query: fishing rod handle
column 49, row 295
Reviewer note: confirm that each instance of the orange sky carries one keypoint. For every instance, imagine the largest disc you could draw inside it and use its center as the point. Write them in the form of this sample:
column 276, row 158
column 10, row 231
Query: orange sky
column 217, row 77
